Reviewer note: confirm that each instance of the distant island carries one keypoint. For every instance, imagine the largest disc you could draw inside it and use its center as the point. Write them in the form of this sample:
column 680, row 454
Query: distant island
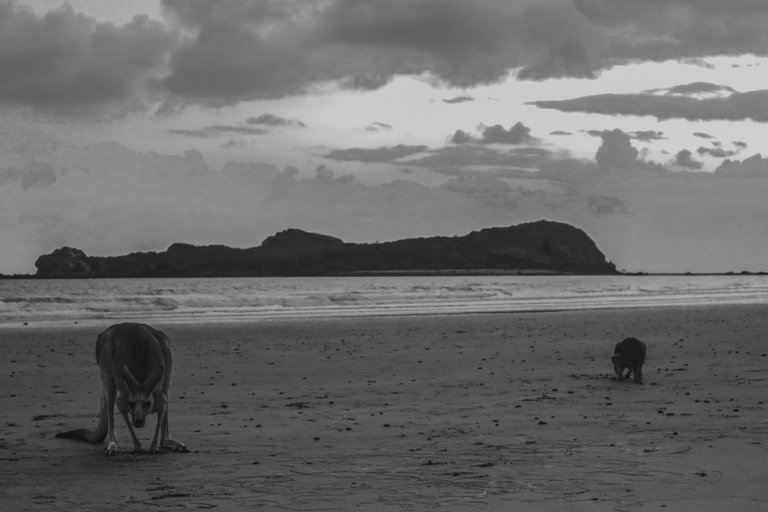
column 535, row 247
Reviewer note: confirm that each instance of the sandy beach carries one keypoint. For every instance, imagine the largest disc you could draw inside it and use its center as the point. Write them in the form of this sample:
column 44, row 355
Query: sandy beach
column 462, row 412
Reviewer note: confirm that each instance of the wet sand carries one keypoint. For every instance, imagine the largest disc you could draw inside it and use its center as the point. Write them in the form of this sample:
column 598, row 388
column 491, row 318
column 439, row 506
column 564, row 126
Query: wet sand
column 462, row 412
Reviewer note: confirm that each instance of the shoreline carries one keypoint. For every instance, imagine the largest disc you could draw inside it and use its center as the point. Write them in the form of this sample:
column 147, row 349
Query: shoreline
column 245, row 319
column 457, row 412
column 406, row 273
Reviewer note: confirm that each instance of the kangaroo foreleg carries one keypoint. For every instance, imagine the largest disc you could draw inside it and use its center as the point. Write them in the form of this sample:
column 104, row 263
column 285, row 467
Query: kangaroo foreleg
column 136, row 443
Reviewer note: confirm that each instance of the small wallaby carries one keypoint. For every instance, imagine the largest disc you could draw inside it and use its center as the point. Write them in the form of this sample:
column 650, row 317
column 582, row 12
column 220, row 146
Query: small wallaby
column 629, row 354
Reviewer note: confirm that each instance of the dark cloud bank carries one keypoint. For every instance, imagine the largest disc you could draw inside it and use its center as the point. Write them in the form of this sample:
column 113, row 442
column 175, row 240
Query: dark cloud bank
column 64, row 61
column 229, row 50
column 363, row 43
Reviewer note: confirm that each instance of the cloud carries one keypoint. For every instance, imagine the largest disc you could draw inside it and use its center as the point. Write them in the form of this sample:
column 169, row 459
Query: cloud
column 715, row 152
column 740, row 144
column 201, row 132
column 517, row 134
column 752, row 167
column 378, row 126
column 242, row 130
column 702, row 135
column 684, row 159
column 560, row 132
column 328, row 176
column 698, row 90
column 616, row 149
column 459, row 99
column 641, row 135
column 273, row 120
column 237, row 50
column 275, row 48
column 450, row 158
column 381, row 154
column 214, row 130
column 462, row 137
column 496, row 134
column 647, row 135
column 568, row 58
column 698, row 61
column 677, row 102
column 232, row 50
column 67, row 63
column 679, row 29
column 459, row 43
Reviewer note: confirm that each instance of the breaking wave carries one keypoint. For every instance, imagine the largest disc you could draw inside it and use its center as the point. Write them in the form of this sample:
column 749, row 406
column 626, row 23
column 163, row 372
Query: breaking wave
column 170, row 300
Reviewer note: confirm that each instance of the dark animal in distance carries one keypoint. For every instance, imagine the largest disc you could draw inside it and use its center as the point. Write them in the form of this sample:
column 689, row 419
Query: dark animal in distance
column 629, row 354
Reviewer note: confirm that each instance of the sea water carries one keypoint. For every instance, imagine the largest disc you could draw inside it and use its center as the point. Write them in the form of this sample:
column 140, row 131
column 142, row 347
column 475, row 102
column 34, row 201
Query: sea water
column 185, row 300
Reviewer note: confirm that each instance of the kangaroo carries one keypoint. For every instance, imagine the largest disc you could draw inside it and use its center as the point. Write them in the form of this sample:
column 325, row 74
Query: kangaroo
column 136, row 365
column 629, row 354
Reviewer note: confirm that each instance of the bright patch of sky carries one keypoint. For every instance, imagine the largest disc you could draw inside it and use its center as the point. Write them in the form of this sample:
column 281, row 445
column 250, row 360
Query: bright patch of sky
column 414, row 108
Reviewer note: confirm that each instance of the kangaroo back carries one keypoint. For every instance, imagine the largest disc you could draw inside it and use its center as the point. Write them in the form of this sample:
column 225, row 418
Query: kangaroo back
column 135, row 346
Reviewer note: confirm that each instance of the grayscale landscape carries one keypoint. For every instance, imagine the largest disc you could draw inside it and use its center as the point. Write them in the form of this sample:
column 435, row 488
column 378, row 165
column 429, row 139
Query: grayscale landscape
column 393, row 244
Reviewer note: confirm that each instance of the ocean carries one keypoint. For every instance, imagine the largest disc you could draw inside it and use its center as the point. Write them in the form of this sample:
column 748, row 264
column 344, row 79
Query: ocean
column 187, row 300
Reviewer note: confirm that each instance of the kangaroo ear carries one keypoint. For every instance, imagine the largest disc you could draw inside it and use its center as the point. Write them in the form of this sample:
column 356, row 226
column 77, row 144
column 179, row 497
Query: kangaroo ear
column 153, row 379
column 130, row 380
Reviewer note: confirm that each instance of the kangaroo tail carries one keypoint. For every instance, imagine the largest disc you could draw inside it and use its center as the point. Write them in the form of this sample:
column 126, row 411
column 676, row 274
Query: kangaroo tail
column 90, row 436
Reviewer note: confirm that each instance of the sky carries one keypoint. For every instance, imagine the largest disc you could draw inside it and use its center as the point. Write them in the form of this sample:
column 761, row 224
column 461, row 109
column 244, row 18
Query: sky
column 127, row 126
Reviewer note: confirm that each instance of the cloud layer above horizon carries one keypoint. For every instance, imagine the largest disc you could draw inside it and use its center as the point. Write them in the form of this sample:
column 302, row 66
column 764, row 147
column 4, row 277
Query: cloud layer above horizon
column 694, row 102
column 107, row 199
column 232, row 50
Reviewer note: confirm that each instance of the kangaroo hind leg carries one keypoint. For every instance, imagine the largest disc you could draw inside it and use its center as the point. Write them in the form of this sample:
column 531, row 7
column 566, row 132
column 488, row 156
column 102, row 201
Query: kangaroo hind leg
column 638, row 370
column 110, row 393
column 165, row 437
column 166, row 441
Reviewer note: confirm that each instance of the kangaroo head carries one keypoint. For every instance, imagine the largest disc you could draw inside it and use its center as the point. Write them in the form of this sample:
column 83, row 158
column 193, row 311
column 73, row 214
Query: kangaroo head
column 141, row 395
column 618, row 364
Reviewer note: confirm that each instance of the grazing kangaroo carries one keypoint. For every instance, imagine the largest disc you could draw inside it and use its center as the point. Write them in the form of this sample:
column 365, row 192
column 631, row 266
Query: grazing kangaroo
column 135, row 363
column 629, row 354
